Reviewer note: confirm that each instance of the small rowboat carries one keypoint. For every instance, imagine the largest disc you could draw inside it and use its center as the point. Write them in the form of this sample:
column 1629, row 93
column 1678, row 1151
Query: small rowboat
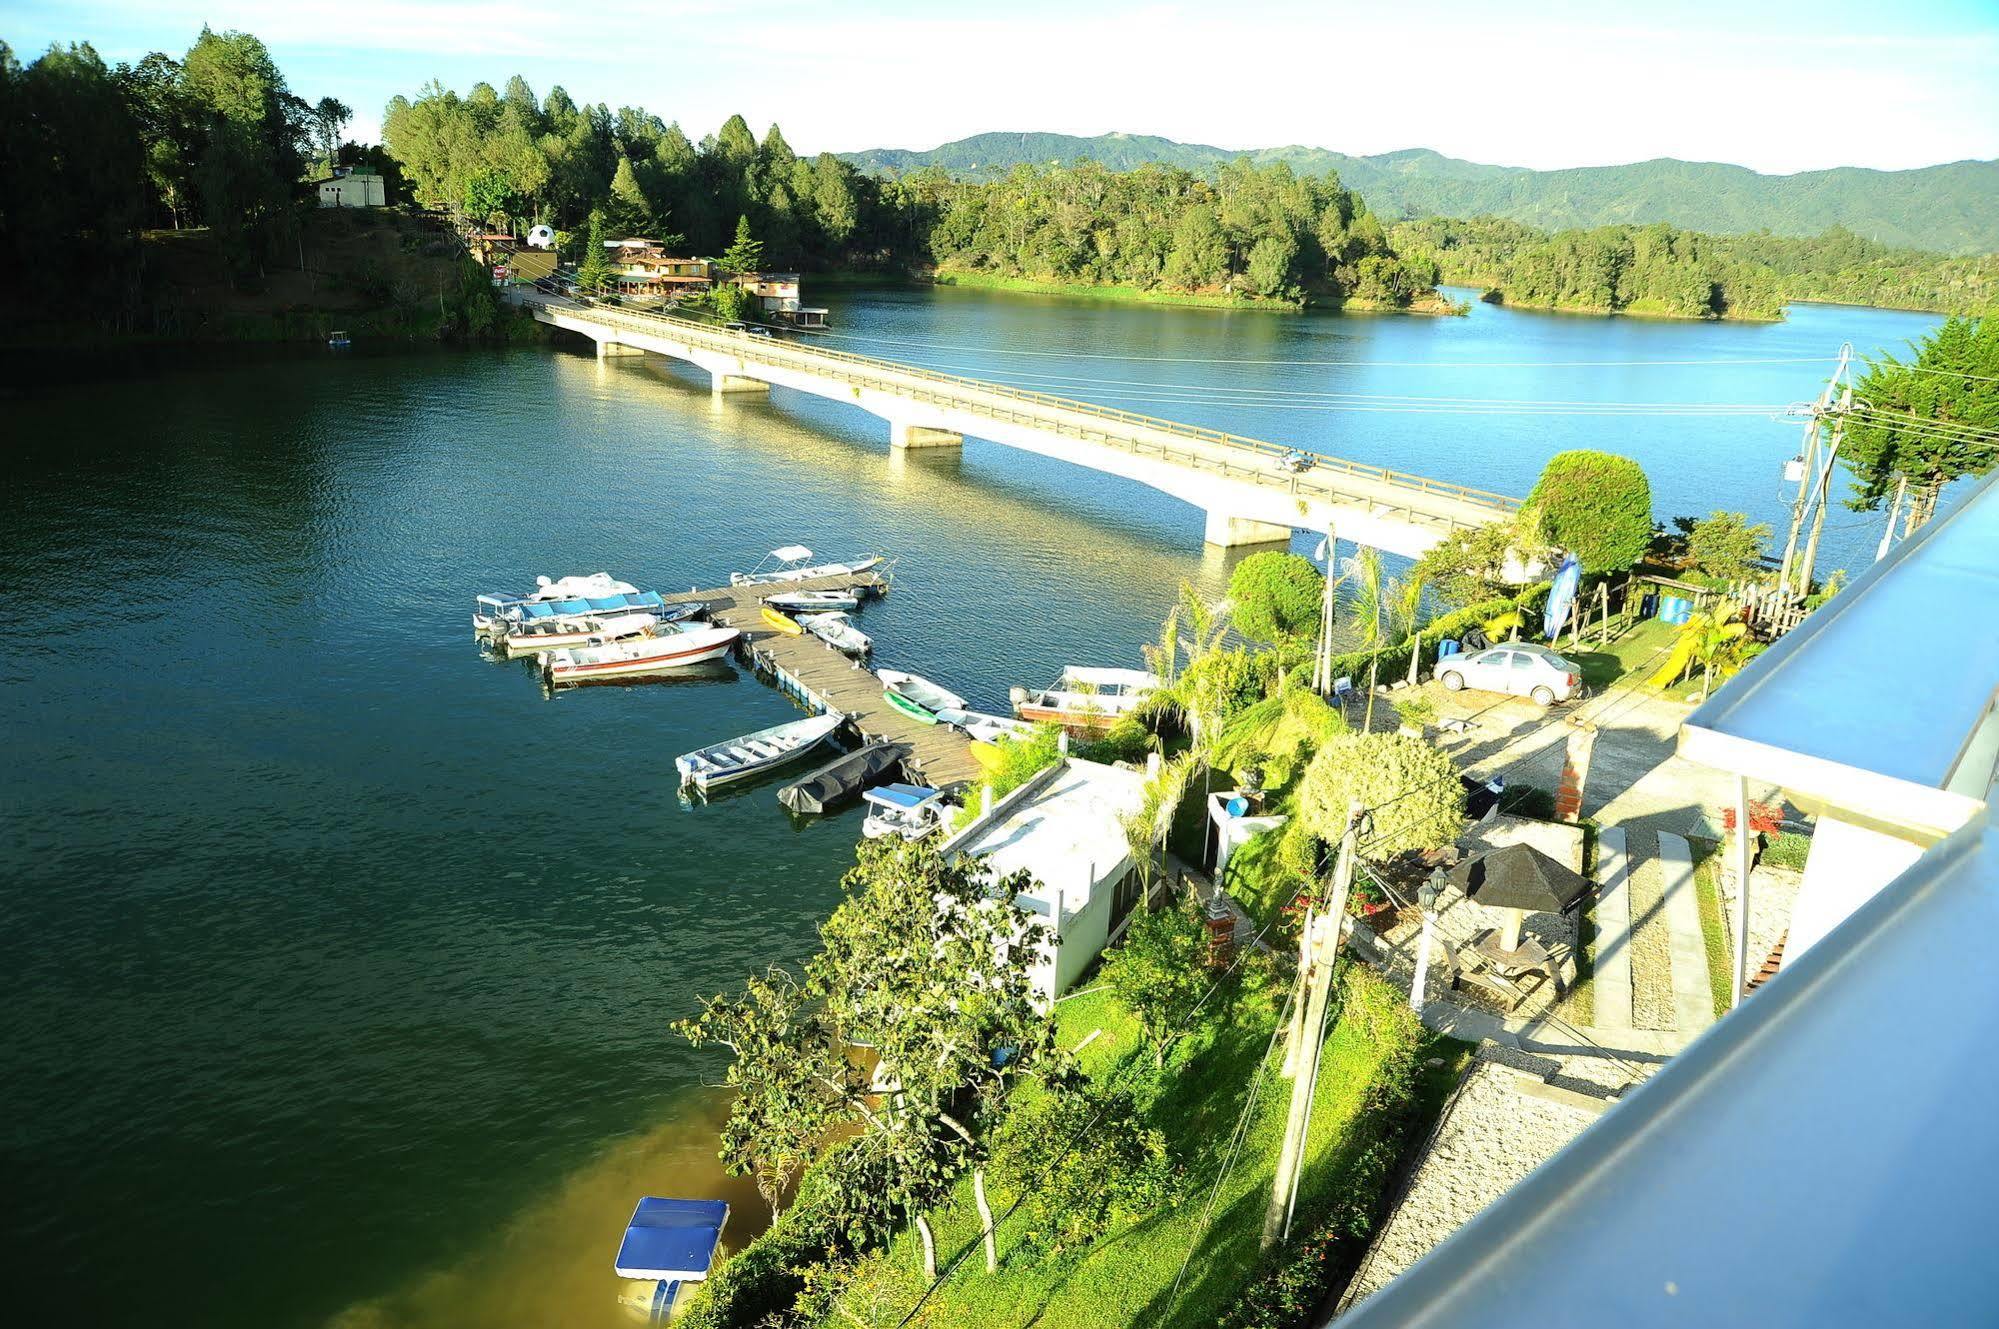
column 592, row 630
column 679, row 645
column 740, row 758
column 782, row 621
column 791, row 566
column 983, row 728
column 837, row 632
column 815, row 601
column 916, row 696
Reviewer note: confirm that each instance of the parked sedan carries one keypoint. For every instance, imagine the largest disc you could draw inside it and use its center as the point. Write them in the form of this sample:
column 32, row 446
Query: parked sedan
column 1519, row 668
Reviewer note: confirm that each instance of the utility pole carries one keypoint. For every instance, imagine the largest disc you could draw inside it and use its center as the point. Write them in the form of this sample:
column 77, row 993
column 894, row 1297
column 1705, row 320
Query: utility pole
column 1894, row 511
column 1322, row 655
column 1319, row 947
column 1824, row 490
column 1808, row 458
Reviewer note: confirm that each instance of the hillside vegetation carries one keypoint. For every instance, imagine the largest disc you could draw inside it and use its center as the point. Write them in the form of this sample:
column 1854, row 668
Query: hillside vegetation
column 1947, row 208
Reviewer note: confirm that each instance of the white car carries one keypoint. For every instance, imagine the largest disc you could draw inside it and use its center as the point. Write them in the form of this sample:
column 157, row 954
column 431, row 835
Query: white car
column 1519, row 668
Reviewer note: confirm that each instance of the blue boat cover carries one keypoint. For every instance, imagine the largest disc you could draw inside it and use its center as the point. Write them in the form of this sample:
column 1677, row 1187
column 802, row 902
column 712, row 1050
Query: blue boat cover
column 900, row 795
column 672, row 1239
column 610, row 604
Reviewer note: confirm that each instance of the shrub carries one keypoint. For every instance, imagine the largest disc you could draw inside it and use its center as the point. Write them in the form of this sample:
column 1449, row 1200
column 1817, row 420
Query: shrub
column 1085, row 1162
column 1596, row 505
column 1126, row 740
column 1275, row 598
column 1725, row 545
column 1415, row 798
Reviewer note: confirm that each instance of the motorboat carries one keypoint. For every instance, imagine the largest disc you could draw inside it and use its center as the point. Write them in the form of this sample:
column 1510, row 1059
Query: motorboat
column 793, row 563
column 678, row 644
column 566, row 597
column 752, row 754
column 842, row 778
column 909, row 810
column 837, row 631
column 782, row 621
column 983, row 728
column 1086, row 698
column 916, row 696
column 589, row 630
column 813, row 602
column 668, row 1245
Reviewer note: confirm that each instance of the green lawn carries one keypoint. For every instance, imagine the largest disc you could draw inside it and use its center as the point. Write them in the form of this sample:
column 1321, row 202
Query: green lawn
column 1632, row 656
column 1126, row 1277
column 1714, row 928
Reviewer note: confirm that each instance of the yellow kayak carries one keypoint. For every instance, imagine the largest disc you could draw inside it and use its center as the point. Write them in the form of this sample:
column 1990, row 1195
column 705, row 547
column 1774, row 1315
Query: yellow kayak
column 782, row 621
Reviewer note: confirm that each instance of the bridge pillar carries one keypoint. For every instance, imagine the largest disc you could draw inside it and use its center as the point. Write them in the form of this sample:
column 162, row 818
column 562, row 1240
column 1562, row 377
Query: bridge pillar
column 607, row 348
column 1229, row 532
column 902, row 435
column 721, row 383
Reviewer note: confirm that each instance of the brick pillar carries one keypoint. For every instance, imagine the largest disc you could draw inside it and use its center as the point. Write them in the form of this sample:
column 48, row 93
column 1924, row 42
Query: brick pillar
column 1575, row 773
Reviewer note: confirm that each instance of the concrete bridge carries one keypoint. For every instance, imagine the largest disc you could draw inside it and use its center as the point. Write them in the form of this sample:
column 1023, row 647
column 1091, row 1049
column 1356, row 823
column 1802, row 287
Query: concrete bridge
column 1248, row 495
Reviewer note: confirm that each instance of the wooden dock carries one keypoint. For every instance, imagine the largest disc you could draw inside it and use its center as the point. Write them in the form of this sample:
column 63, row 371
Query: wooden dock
column 823, row 679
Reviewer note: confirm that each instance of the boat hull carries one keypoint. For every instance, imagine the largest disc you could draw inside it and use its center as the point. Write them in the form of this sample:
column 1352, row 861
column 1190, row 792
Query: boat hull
column 782, row 621
column 1068, row 719
column 914, row 710
column 563, row 672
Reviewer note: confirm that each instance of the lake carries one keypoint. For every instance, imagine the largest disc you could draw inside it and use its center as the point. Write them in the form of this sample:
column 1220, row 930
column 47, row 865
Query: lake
column 339, row 962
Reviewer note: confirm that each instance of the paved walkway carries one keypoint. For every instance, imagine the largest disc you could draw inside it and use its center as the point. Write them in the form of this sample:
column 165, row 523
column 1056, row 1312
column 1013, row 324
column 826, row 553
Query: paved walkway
column 1612, row 985
column 1693, row 999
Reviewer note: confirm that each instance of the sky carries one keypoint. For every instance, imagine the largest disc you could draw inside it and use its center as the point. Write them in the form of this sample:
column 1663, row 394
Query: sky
column 1776, row 85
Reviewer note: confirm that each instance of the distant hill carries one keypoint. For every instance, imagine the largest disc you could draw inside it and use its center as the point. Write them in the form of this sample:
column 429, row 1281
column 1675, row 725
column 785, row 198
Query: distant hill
column 1953, row 208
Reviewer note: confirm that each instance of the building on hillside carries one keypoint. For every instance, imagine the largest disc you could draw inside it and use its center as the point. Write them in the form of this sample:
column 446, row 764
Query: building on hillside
column 349, row 188
column 778, row 299
column 1876, row 714
column 642, row 267
column 1064, row 828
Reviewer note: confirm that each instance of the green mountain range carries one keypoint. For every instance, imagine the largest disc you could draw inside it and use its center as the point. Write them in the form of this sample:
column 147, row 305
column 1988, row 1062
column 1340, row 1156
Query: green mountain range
column 1952, row 208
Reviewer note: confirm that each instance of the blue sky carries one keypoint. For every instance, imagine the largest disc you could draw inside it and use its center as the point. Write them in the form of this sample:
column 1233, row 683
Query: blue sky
column 1778, row 86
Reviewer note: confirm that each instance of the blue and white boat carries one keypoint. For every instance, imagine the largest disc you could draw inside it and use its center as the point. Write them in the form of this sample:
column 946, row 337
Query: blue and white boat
column 909, row 810
column 668, row 1245
column 570, row 597
column 753, row 754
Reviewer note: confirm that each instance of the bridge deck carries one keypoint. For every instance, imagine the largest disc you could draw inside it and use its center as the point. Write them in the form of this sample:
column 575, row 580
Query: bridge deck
column 1433, row 505
column 826, row 680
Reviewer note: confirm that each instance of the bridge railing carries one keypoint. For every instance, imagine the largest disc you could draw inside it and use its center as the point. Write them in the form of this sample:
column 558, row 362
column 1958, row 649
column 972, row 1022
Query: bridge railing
column 894, row 377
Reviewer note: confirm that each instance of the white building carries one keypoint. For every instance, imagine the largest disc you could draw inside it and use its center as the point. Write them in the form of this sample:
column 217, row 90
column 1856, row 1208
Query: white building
column 1064, row 828
column 347, row 188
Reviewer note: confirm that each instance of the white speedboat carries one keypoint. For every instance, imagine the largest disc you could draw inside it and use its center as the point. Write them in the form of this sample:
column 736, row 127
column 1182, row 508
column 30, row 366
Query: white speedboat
column 836, row 631
column 814, row 602
column 678, row 644
column 557, row 633
column 909, row 810
column 916, row 696
column 740, row 758
column 983, row 728
column 791, row 563
column 1085, row 698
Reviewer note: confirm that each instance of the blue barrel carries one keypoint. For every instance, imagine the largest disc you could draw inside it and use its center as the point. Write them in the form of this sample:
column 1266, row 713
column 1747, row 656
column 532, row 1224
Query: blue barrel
column 1675, row 608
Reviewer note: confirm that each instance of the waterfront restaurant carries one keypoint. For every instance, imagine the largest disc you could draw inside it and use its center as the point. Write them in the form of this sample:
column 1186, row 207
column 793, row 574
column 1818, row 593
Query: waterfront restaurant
column 777, row 296
column 642, row 267
column 1064, row 828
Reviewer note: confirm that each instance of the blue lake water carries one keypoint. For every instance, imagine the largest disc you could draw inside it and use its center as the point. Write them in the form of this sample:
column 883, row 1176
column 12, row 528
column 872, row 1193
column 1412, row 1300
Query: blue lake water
column 338, row 962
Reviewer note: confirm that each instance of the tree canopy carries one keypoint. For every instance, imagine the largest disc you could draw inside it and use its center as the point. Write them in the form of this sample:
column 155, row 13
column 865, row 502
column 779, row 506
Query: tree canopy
column 1929, row 419
column 1595, row 505
column 1725, row 544
column 1412, row 789
column 1274, row 598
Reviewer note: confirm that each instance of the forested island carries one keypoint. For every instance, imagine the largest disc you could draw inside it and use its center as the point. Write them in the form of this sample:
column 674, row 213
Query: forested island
column 1663, row 271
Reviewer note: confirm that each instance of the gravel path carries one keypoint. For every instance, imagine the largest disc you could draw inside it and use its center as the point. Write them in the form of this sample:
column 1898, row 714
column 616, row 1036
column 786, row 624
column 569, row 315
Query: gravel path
column 1494, row 1136
column 1651, row 937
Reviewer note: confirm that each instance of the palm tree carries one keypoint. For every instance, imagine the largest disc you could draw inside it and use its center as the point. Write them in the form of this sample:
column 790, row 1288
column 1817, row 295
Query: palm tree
column 1716, row 640
column 1408, row 603
column 1147, row 826
column 1373, row 614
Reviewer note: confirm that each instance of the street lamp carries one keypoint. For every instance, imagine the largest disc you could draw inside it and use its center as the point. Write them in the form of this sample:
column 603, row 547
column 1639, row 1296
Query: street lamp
column 1426, row 899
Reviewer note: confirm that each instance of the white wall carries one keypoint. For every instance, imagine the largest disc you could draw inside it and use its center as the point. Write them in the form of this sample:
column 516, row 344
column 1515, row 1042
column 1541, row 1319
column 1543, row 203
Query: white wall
column 1847, row 865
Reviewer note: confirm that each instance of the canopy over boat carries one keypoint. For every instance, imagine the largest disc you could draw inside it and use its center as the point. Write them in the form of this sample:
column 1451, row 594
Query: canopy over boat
column 903, row 797
column 790, row 553
column 841, row 778
column 791, row 566
column 672, row 1240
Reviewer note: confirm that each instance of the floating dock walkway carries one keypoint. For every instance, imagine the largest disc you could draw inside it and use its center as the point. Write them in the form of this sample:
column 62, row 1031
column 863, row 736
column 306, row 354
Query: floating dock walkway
column 813, row 673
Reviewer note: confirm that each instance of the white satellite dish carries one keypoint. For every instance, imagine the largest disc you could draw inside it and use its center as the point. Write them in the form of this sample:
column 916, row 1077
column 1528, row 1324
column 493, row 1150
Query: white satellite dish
column 541, row 237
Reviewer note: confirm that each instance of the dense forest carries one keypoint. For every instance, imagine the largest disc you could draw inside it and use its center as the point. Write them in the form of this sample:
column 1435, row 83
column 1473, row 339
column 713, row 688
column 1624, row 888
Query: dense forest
column 508, row 158
column 1946, row 208
column 1658, row 270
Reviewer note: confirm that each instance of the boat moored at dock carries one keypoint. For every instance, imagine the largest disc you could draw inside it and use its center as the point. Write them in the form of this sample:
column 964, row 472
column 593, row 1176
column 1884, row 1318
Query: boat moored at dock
column 668, row 1245
column 782, row 621
column 812, row 602
column 589, row 630
column 983, row 728
column 789, row 563
column 837, row 631
column 569, row 597
column 1084, row 698
column 909, row 810
column 678, row 645
column 752, row 754
column 840, row 779
column 916, row 696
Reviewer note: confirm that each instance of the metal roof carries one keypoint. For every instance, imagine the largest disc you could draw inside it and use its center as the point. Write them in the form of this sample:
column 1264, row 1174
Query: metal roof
column 1875, row 700
column 1823, row 1157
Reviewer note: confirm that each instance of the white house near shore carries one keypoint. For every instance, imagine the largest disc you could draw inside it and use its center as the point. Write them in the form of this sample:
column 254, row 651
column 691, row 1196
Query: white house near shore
column 1064, row 829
